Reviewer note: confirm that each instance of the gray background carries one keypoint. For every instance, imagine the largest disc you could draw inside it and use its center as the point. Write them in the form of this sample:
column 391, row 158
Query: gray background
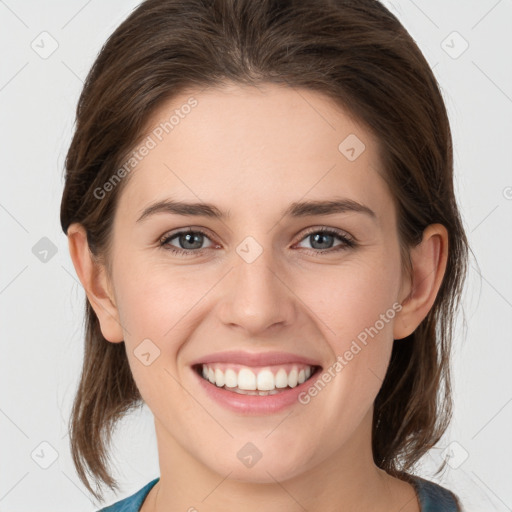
column 41, row 299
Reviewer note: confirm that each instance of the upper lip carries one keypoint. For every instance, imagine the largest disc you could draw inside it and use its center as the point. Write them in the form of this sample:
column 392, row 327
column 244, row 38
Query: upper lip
column 255, row 358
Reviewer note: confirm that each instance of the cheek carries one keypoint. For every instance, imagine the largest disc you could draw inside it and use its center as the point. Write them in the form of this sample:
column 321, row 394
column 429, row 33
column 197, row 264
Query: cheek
column 156, row 300
column 158, row 307
column 353, row 308
column 356, row 308
column 153, row 309
column 354, row 299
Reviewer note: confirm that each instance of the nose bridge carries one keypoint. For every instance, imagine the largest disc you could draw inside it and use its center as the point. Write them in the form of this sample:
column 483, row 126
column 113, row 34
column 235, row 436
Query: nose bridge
column 258, row 297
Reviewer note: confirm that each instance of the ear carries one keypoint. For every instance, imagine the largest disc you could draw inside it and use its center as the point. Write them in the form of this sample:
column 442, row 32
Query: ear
column 96, row 283
column 428, row 267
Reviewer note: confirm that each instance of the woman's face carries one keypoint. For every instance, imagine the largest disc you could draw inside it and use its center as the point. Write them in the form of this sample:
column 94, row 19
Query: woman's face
column 259, row 297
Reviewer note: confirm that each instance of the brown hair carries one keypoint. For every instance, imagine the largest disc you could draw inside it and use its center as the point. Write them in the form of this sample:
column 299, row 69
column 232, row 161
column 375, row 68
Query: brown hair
column 355, row 52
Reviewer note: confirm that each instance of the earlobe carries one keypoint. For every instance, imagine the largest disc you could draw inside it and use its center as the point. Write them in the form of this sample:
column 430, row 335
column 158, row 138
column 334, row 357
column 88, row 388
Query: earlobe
column 428, row 260
column 94, row 279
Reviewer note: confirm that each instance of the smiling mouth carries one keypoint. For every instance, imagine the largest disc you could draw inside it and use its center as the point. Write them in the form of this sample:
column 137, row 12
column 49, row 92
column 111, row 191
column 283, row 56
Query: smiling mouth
column 262, row 381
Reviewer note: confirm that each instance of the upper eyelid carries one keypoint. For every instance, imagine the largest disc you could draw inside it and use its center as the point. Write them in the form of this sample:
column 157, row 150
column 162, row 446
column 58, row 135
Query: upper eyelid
column 171, row 234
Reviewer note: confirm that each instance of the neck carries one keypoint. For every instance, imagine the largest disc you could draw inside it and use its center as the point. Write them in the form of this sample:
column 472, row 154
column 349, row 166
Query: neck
column 347, row 480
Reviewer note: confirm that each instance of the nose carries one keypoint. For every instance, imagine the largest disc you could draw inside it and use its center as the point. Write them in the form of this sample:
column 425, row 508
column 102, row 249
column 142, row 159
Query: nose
column 257, row 296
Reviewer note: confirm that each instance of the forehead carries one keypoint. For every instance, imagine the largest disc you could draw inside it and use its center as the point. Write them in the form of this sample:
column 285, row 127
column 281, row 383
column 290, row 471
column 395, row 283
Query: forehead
column 262, row 146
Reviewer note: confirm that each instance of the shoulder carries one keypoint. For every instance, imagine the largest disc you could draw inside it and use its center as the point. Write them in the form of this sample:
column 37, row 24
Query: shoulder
column 434, row 497
column 131, row 503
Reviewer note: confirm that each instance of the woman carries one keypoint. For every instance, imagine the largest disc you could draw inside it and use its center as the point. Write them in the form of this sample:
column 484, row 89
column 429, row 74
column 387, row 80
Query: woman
column 259, row 204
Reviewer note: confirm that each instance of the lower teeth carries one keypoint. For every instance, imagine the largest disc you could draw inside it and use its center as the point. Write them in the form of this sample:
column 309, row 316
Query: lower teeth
column 250, row 391
column 254, row 392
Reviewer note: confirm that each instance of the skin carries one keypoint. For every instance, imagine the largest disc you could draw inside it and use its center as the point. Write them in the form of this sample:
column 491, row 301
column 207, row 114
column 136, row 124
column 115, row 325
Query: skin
column 253, row 151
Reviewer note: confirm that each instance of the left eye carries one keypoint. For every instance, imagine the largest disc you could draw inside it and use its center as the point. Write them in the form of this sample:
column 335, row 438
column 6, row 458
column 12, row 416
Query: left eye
column 325, row 236
column 191, row 241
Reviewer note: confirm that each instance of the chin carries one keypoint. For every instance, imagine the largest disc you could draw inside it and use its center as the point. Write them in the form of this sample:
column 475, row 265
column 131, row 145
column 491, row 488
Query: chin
column 262, row 471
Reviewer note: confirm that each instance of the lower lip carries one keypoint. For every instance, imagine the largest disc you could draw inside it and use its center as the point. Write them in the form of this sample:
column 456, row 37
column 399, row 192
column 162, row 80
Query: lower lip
column 252, row 404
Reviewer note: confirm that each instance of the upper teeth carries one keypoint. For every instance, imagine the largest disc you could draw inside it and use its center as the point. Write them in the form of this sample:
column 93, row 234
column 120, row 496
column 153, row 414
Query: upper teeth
column 263, row 379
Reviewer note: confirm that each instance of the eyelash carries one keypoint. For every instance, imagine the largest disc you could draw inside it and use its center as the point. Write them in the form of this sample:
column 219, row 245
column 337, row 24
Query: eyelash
column 348, row 242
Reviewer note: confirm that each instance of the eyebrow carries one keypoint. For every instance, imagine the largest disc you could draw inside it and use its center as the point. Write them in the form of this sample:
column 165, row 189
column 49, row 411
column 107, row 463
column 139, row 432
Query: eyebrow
column 296, row 209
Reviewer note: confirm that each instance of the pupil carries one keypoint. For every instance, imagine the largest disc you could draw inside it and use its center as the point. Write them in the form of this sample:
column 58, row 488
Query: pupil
column 188, row 236
column 321, row 236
